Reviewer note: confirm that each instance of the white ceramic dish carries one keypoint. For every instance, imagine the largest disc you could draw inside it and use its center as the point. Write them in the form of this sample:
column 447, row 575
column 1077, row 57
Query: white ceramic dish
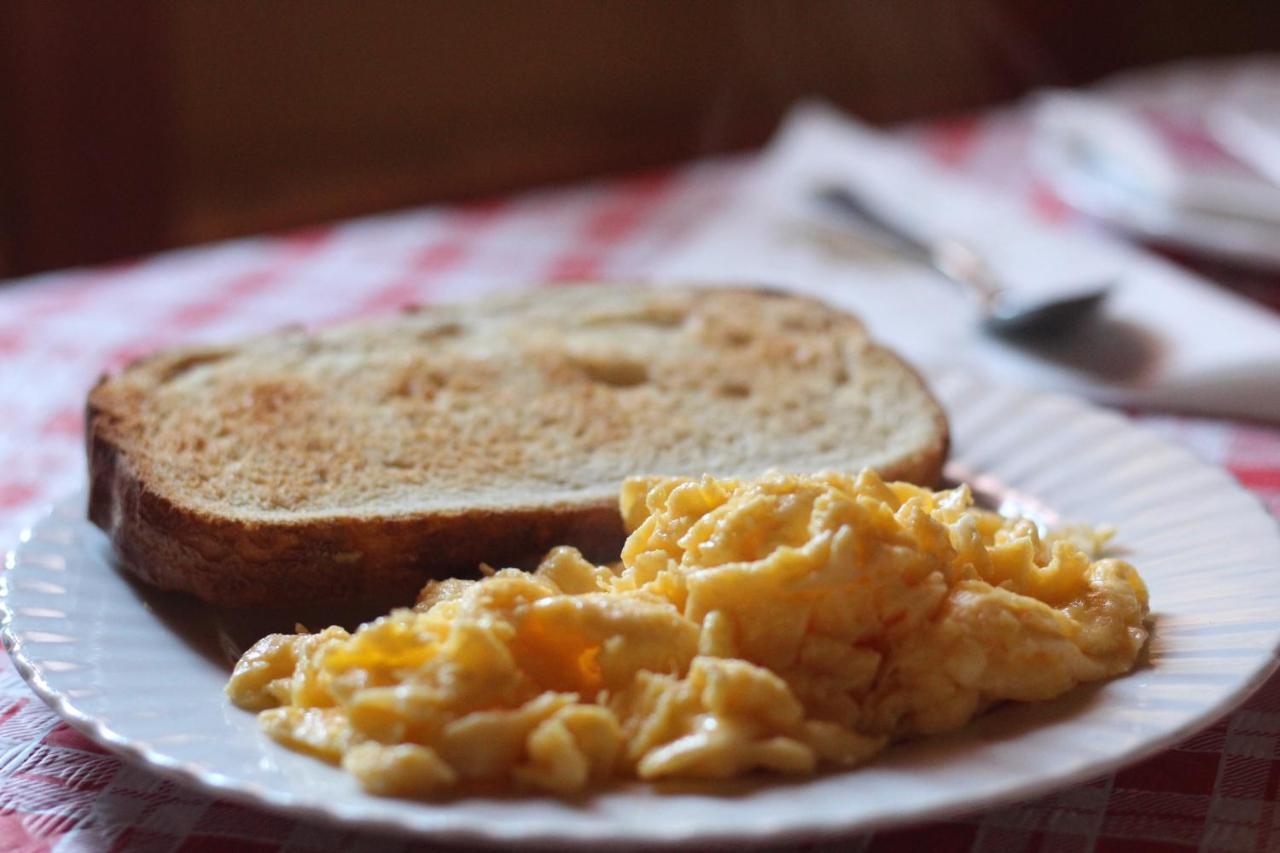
column 142, row 673
column 1241, row 240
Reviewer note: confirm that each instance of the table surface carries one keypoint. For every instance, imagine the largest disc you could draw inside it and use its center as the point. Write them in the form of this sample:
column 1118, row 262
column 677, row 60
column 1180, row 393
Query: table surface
column 1218, row 790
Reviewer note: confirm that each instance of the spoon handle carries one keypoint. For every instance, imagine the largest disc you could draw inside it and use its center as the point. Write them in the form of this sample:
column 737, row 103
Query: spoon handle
column 951, row 258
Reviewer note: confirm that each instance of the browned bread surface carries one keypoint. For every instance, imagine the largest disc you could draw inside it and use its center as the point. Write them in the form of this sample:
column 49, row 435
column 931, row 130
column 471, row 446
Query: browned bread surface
column 366, row 458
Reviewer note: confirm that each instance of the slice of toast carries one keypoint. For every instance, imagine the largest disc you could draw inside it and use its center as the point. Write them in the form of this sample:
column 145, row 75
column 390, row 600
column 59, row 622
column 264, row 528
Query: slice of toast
column 364, row 459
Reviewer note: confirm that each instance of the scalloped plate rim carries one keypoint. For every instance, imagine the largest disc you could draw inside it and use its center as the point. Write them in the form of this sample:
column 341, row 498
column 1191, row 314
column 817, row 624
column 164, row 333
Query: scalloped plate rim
column 228, row 787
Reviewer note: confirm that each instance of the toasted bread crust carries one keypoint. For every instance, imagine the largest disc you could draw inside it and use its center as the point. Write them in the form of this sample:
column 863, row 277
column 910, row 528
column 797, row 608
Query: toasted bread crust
column 237, row 562
column 232, row 563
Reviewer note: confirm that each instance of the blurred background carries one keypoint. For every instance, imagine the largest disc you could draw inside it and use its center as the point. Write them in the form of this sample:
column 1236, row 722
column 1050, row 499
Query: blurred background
column 135, row 126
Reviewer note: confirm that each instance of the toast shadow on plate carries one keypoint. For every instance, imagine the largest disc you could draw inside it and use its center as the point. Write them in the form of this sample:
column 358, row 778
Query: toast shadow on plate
column 222, row 634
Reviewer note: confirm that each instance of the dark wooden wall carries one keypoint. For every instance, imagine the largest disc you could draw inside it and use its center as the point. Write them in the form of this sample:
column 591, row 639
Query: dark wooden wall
column 134, row 125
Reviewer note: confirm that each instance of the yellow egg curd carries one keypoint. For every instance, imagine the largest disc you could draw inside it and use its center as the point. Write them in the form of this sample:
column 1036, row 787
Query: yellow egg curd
column 782, row 624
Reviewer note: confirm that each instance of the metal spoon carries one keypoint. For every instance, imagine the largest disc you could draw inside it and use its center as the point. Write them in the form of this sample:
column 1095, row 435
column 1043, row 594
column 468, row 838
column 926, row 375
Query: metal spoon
column 1003, row 313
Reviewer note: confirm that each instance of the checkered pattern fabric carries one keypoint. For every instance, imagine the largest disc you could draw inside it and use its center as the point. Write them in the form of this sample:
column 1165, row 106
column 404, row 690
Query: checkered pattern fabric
column 1218, row 790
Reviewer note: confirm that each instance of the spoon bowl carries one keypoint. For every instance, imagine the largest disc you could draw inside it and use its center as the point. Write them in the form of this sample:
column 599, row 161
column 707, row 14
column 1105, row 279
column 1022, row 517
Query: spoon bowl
column 1003, row 312
column 1055, row 316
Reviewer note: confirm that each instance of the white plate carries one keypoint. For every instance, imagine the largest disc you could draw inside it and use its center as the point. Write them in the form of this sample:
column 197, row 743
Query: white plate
column 1074, row 176
column 102, row 651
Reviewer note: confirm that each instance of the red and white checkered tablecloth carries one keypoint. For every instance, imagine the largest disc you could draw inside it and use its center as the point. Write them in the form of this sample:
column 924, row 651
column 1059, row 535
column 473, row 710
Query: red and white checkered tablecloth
column 1219, row 790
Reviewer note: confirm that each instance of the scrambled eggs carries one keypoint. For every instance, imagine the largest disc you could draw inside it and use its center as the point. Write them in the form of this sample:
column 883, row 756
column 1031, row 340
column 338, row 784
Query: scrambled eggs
column 782, row 624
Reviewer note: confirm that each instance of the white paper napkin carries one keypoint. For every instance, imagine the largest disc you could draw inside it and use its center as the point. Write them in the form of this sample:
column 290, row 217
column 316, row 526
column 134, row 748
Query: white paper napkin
column 1166, row 339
